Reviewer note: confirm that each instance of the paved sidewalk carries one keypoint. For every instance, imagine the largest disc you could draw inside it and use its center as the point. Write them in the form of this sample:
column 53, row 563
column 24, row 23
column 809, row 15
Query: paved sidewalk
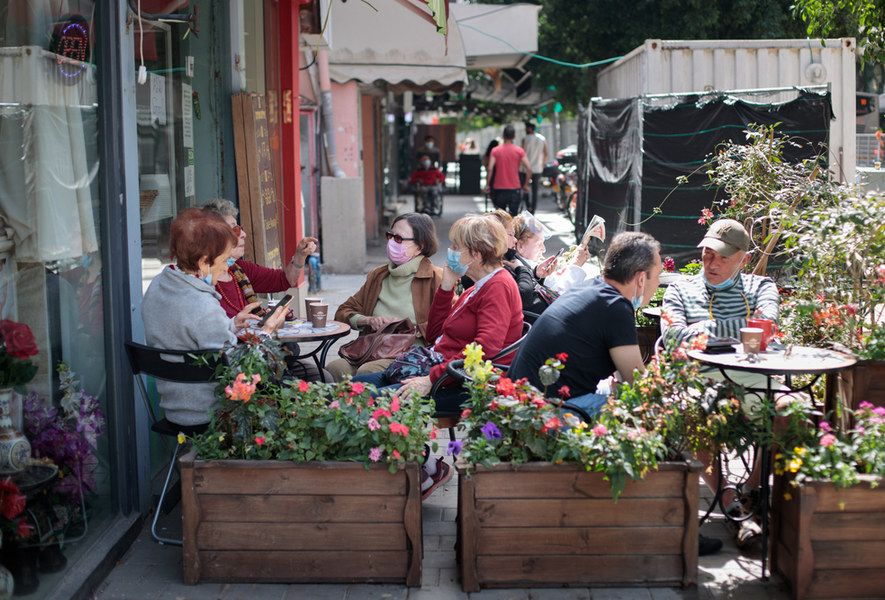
column 149, row 571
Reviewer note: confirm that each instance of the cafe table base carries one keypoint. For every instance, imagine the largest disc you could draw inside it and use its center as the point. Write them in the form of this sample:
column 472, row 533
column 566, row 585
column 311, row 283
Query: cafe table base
column 301, row 332
column 790, row 362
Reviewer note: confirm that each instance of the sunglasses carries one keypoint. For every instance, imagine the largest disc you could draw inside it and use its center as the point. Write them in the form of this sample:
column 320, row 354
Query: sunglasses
column 238, row 231
column 398, row 238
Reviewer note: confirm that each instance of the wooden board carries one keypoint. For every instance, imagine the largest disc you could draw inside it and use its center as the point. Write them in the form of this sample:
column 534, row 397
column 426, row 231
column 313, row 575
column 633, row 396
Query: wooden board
column 541, row 525
column 286, row 522
column 259, row 206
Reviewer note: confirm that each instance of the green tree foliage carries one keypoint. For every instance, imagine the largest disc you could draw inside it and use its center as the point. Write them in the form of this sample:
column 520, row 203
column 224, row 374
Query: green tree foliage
column 861, row 19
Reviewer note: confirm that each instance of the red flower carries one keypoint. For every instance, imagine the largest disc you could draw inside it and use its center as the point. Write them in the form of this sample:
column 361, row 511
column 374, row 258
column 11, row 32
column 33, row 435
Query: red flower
column 706, row 215
column 381, row 412
column 357, row 388
column 562, row 357
column 505, row 387
column 564, row 392
column 259, row 440
column 394, row 404
column 466, row 413
column 399, row 429
column 18, row 339
column 23, row 530
column 669, row 264
column 699, row 342
column 12, row 501
column 303, row 386
column 551, row 424
column 396, row 454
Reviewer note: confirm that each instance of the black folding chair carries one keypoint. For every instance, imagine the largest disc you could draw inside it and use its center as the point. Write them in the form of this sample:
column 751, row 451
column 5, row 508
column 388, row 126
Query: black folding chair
column 448, row 420
column 180, row 367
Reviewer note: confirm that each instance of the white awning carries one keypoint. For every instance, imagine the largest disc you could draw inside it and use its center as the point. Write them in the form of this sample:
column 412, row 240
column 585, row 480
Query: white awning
column 498, row 36
column 390, row 43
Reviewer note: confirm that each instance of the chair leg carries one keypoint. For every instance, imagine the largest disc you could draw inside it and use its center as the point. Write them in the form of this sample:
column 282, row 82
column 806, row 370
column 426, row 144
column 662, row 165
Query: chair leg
column 159, row 507
column 451, row 434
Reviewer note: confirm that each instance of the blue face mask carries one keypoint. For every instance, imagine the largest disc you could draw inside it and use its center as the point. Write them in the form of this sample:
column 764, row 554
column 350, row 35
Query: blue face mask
column 718, row 287
column 231, row 261
column 207, row 279
column 453, row 259
column 637, row 302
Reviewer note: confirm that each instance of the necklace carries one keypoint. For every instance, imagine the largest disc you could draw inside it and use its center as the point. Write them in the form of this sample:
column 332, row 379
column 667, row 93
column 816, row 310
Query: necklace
column 236, row 307
column 710, row 305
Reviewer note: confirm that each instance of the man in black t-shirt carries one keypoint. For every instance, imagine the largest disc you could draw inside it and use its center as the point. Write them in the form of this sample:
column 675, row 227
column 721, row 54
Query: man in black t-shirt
column 595, row 324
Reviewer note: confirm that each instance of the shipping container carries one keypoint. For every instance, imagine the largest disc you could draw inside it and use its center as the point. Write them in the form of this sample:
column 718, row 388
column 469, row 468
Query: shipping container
column 664, row 67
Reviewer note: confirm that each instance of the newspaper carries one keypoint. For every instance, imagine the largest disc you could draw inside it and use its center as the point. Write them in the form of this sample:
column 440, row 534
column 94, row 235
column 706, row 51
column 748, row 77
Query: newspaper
column 596, row 229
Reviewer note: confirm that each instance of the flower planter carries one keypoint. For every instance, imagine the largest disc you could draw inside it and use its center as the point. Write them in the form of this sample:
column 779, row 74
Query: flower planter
column 278, row 521
column 545, row 525
column 829, row 542
column 865, row 381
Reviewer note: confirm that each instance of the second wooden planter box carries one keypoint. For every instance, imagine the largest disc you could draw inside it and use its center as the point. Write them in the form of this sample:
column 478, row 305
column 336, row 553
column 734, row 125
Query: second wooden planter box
column 544, row 525
column 829, row 542
column 278, row 521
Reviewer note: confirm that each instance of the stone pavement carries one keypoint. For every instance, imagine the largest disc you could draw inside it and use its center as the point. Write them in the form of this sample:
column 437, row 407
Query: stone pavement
column 149, row 571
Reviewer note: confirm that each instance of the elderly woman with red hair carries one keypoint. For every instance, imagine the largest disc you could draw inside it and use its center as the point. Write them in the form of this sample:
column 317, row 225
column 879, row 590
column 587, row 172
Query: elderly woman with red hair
column 181, row 309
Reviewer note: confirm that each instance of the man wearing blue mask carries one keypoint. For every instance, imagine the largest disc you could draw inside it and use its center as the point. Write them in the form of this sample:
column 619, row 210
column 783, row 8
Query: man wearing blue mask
column 719, row 300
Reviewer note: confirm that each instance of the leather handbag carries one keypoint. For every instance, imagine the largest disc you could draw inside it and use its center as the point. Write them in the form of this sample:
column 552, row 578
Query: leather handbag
column 396, row 338
column 414, row 362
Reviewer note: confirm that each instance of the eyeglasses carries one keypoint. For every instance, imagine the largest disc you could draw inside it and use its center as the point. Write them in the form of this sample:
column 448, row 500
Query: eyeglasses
column 397, row 238
column 238, row 231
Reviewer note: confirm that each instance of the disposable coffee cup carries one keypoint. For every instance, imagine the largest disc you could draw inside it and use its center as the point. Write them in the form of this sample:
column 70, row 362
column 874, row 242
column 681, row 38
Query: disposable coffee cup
column 751, row 338
column 317, row 313
column 307, row 303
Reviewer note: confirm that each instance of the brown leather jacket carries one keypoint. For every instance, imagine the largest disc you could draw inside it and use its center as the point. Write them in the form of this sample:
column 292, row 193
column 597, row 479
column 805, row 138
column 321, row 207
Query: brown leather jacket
column 424, row 286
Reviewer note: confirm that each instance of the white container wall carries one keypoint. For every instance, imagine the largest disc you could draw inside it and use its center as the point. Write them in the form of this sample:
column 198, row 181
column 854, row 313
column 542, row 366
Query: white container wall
column 662, row 67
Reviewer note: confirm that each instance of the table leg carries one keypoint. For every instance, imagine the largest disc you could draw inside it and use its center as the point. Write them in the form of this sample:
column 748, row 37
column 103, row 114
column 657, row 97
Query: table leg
column 327, row 345
column 765, row 486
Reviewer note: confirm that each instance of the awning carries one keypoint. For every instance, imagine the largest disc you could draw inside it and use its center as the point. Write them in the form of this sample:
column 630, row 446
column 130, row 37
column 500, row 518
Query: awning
column 497, row 36
column 390, row 43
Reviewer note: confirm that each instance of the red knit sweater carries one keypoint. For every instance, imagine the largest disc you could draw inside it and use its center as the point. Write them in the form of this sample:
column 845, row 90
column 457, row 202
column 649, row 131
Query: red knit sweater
column 263, row 280
column 491, row 318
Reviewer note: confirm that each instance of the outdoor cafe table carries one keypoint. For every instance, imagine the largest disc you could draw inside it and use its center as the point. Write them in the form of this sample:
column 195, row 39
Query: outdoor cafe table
column 300, row 331
column 788, row 362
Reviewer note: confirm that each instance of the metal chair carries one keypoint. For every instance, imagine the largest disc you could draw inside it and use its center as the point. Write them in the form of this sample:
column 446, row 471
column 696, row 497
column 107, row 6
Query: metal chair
column 162, row 364
column 448, row 420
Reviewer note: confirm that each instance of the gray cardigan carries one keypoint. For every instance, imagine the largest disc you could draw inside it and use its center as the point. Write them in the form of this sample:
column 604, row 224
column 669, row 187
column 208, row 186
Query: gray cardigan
column 182, row 312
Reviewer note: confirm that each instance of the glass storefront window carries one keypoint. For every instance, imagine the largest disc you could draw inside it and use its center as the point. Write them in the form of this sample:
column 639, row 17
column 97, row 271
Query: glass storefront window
column 51, row 270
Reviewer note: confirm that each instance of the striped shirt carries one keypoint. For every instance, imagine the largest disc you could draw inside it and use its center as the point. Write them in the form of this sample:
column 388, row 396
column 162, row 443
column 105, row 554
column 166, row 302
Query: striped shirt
column 690, row 305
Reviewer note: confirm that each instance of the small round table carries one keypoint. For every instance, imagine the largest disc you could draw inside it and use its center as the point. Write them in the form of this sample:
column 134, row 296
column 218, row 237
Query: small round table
column 787, row 362
column 302, row 331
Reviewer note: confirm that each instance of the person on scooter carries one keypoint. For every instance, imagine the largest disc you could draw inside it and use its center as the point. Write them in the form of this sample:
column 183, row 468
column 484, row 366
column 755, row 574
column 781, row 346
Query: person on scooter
column 428, row 181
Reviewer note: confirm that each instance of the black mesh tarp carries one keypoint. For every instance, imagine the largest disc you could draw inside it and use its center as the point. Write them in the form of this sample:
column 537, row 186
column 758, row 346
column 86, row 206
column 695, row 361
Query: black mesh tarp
column 632, row 159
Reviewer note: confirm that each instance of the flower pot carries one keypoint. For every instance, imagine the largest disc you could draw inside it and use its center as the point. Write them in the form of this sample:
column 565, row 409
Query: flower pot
column 15, row 450
column 545, row 525
column 279, row 521
column 829, row 542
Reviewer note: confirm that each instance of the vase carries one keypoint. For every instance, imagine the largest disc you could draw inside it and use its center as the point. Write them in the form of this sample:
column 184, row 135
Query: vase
column 15, row 450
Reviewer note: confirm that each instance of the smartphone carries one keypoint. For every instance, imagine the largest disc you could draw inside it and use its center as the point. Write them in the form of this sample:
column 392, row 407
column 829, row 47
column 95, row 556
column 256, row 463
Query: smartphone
column 257, row 309
column 560, row 253
column 283, row 303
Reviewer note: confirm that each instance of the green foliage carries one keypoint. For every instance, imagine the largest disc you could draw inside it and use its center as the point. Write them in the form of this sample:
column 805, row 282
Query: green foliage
column 262, row 417
column 860, row 19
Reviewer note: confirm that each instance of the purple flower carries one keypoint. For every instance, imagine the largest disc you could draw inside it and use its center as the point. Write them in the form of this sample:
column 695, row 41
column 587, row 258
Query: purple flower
column 373, row 424
column 491, row 431
column 375, row 454
column 825, row 427
column 879, row 410
column 455, row 447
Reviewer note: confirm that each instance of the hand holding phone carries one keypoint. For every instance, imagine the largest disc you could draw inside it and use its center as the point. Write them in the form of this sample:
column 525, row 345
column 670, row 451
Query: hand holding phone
column 282, row 304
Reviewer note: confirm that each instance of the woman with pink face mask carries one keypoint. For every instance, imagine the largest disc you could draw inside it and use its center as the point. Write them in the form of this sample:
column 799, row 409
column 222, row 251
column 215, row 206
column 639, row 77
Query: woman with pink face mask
column 401, row 289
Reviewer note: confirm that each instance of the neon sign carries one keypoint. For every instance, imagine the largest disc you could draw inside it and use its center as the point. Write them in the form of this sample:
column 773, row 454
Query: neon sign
column 72, row 42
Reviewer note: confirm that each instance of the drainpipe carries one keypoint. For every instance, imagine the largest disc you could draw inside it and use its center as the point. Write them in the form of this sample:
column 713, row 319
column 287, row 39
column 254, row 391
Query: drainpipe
column 322, row 61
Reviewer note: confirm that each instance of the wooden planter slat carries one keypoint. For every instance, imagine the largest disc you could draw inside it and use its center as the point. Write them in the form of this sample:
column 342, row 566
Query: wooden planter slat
column 301, row 536
column 824, row 551
column 586, row 512
column 245, row 508
column 276, row 521
column 539, row 524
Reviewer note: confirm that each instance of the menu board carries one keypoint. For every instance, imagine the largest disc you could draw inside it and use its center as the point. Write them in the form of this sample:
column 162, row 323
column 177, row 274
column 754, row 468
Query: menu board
column 259, row 207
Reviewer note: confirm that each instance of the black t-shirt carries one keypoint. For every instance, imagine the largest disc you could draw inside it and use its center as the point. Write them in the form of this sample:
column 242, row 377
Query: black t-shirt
column 584, row 323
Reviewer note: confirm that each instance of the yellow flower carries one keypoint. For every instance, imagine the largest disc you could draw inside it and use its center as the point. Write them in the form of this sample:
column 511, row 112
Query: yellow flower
column 794, row 465
column 582, row 425
column 472, row 356
column 800, row 450
column 181, row 438
column 788, row 496
column 482, row 371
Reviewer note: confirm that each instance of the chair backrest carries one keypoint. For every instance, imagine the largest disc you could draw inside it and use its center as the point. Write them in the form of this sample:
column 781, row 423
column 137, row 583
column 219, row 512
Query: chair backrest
column 150, row 361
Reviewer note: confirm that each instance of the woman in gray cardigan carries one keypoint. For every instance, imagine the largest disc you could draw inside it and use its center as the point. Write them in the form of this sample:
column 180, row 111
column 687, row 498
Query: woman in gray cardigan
column 181, row 309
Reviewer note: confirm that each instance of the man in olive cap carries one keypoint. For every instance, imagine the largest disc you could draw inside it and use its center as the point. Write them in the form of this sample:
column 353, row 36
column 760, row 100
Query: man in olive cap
column 720, row 299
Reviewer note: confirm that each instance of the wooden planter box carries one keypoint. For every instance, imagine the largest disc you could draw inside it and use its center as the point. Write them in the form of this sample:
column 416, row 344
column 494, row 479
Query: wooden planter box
column 544, row 525
column 278, row 521
column 829, row 542
column 865, row 381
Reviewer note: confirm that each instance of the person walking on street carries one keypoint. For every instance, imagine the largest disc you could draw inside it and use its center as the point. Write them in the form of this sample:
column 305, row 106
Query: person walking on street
column 504, row 166
column 535, row 146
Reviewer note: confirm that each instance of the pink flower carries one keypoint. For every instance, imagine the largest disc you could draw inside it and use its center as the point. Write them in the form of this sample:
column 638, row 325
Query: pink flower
column 399, row 429
column 599, row 430
column 827, row 440
column 699, row 342
column 334, row 404
column 865, row 404
column 396, row 454
column 825, row 427
column 394, row 404
column 358, row 388
column 303, row 386
column 706, row 215
column 564, row 391
column 562, row 357
column 879, row 410
column 381, row 412
column 880, row 273
column 669, row 264
column 373, row 425
column 240, row 389
column 259, row 439
column 375, row 454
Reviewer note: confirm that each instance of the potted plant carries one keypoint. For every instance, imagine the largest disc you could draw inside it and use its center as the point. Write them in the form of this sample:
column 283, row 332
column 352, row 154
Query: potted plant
column 829, row 240
column 303, row 482
column 17, row 345
column 827, row 534
column 548, row 499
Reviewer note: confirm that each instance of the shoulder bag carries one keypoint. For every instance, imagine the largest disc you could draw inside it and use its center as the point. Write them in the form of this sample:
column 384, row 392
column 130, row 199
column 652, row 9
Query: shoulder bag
column 396, row 338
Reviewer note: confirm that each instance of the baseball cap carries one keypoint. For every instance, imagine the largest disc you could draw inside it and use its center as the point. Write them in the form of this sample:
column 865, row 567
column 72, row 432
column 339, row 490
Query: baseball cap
column 726, row 236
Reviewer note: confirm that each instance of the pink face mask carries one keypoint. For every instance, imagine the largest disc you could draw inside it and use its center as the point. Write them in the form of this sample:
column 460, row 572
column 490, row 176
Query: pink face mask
column 397, row 253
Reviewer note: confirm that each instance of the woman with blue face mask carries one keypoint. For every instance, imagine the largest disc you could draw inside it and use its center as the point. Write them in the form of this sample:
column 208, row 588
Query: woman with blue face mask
column 488, row 313
column 181, row 309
